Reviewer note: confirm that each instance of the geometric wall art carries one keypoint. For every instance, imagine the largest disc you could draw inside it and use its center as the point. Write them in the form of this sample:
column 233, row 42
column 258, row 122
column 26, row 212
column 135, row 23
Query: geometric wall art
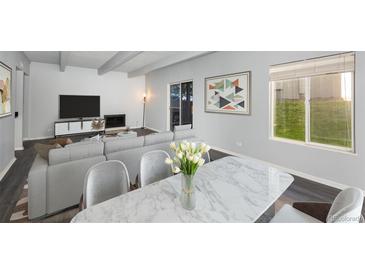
column 228, row 93
column 5, row 90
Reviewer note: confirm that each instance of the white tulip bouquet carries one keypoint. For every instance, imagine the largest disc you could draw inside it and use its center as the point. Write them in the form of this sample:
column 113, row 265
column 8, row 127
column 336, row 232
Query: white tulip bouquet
column 189, row 157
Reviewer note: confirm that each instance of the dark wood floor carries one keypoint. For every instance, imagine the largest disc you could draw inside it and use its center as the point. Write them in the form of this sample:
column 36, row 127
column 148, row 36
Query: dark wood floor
column 12, row 184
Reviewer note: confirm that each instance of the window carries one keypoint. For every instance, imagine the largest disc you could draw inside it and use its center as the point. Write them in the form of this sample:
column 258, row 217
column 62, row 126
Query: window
column 312, row 101
column 181, row 104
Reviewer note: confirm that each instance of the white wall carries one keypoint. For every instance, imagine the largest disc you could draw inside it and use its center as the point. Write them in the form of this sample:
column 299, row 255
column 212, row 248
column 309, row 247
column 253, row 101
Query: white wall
column 14, row 60
column 118, row 94
column 18, row 126
column 225, row 130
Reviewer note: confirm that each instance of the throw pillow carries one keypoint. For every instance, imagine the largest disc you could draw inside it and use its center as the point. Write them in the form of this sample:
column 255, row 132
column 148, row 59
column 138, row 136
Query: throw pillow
column 43, row 149
column 61, row 141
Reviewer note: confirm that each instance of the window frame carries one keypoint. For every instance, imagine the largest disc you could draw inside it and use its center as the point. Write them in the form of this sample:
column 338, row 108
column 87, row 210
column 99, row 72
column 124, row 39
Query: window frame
column 168, row 120
column 349, row 150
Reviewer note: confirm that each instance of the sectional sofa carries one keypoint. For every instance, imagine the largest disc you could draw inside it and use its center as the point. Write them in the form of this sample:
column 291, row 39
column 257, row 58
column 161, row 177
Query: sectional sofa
column 57, row 184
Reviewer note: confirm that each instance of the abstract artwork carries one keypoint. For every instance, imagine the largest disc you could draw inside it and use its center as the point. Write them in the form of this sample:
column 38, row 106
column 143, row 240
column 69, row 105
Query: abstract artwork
column 5, row 90
column 228, row 93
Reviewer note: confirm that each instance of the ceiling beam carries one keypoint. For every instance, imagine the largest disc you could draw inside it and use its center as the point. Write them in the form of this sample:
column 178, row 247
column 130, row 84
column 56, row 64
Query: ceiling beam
column 117, row 60
column 168, row 61
column 64, row 56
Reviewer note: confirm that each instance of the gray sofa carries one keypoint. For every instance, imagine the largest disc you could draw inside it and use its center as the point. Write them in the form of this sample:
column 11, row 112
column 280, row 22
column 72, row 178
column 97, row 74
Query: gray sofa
column 57, row 184
column 130, row 150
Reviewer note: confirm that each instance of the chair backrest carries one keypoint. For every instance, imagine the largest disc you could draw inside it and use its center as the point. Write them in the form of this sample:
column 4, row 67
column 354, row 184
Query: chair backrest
column 153, row 167
column 206, row 157
column 104, row 181
column 347, row 207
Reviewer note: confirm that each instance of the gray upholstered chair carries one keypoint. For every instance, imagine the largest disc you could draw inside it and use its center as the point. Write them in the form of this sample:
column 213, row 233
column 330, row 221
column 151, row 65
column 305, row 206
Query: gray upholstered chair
column 104, row 181
column 153, row 167
column 346, row 208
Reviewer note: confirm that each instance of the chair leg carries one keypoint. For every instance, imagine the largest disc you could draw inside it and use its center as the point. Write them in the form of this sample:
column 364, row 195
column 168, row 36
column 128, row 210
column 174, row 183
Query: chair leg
column 81, row 204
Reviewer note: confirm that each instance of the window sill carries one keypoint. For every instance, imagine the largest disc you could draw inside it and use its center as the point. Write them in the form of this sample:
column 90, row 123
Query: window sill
column 346, row 151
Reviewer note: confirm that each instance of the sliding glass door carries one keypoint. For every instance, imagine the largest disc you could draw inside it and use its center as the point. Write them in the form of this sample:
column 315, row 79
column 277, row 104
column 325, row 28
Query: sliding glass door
column 181, row 104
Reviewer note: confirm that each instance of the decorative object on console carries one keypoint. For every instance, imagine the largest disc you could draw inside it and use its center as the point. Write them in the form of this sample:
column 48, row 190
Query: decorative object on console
column 98, row 124
column 189, row 157
column 5, row 90
column 228, row 93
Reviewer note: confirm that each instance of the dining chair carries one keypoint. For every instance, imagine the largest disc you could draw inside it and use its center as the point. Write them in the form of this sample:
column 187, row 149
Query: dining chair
column 346, row 208
column 153, row 167
column 206, row 157
column 104, row 181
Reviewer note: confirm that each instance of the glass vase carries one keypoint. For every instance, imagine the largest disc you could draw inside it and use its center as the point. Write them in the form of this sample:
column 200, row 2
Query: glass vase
column 187, row 197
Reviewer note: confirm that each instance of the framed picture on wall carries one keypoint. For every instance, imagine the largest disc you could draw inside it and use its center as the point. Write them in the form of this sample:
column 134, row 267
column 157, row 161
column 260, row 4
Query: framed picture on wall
column 5, row 90
column 228, row 93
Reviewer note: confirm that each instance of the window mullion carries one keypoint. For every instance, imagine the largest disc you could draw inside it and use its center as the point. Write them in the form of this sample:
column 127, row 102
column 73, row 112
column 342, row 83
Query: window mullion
column 307, row 109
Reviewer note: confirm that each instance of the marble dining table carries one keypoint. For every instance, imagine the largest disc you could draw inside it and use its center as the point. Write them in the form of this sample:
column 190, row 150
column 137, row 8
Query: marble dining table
column 228, row 190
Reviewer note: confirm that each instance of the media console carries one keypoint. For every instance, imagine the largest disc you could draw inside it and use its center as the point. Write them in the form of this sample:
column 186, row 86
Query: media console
column 72, row 127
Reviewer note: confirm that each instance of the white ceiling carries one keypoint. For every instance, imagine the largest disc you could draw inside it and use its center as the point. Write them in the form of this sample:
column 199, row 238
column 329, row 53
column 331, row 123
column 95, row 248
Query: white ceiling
column 89, row 59
column 50, row 57
column 134, row 63
column 145, row 58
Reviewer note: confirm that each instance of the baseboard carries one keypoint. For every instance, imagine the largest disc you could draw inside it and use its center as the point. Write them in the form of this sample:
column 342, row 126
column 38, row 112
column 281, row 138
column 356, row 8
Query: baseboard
column 38, row 138
column 6, row 169
column 291, row 171
column 19, row 148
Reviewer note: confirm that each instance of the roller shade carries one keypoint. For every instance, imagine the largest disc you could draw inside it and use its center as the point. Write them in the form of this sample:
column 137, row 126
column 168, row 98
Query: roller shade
column 331, row 64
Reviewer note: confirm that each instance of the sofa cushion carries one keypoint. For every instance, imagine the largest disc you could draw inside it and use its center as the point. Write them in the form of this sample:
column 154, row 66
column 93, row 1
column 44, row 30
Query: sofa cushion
column 184, row 134
column 131, row 158
column 158, row 138
column 75, row 152
column 123, row 144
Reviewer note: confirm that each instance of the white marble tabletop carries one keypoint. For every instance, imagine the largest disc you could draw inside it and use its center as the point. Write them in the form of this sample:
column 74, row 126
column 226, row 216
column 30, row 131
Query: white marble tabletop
column 231, row 189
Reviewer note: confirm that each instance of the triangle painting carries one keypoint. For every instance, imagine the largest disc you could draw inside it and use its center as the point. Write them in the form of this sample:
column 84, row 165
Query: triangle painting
column 230, row 96
column 229, row 107
column 241, row 104
column 237, row 98
column 228, row 83
column 228, row 93
column 236, row 83
column 217, row 85
column 223, row 102
column 238, row 89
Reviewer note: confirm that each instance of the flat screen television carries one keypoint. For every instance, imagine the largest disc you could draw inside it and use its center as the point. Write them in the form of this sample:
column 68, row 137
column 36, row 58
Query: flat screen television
column 79, row 106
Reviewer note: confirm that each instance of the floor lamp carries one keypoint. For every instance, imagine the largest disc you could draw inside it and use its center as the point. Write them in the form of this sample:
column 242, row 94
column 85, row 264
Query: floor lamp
column 144, row 109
